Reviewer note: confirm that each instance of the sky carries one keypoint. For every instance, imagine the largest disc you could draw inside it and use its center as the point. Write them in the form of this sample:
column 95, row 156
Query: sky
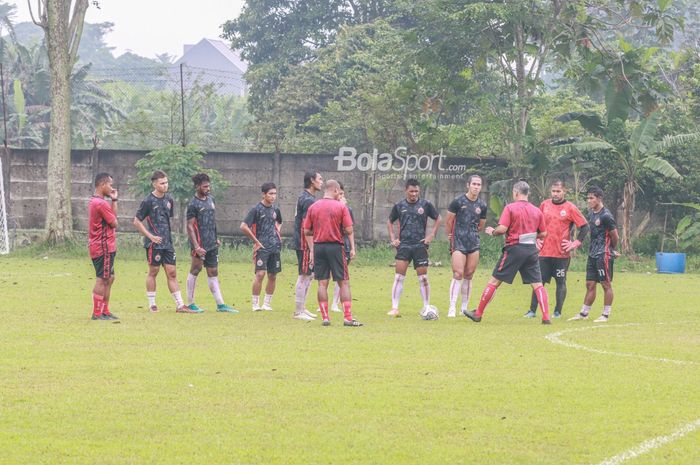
column 150, row 27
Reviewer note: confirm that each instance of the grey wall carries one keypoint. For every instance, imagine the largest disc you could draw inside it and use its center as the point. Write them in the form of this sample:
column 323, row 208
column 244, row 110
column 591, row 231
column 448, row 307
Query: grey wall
column 370, row 196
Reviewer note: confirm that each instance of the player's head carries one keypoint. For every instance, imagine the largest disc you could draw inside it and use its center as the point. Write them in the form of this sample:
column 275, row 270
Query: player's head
column 103, row 184
column 557, row 191
column 269, row 193
column 594, row 197
column 412, row 190
column 313, row 180
column 474, row 184
column 521, row 189
column 332, row 189
column 202, row 183
column 159, row 180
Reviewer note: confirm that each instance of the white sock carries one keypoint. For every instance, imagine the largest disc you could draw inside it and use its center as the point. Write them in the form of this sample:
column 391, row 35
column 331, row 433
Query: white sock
column 301, row 289
column 466, row 293
column 336, row 295
column 215, row 289
column 178, row 299
column 455, row 287
column 268, row 299
column 191, row 283
column 607, row 309
column 256, row 300
column 151, row 298
column 396, row 290
column 585, row 309
column 424, row 285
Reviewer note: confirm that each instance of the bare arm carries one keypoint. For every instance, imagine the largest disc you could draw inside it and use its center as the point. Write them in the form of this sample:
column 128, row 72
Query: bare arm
column 247, row 231
column 480, row 226
column 614, row 240
column 449, row 224
column 497, row 231
column 144, row 232
column 309, row 237
column 191, row 233
column 393, row 240
column 114, row 195
column 351, row 237
column 436, row 226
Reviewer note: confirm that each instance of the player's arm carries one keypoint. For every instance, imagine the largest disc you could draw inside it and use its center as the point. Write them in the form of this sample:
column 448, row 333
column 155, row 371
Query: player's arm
column 249, row 233
column 433, row 232
column 141, row 215
column 449, row 224
column 393, row 217
column 192, row 234
column 114, row 195
column 497, row 231
column 109, row 215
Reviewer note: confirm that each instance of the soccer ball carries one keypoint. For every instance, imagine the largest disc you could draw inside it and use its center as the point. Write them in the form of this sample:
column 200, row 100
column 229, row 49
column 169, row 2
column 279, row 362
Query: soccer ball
column 429, row 313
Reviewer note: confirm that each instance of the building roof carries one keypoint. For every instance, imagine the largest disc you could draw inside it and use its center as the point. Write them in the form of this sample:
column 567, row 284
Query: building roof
column 220, row 47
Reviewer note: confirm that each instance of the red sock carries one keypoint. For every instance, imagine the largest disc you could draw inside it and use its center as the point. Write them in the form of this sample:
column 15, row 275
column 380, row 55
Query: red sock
column 105, row 308
column 543, row 300
column 486, row 297
column 346, row 310
column 324, row 309
column 97, row 304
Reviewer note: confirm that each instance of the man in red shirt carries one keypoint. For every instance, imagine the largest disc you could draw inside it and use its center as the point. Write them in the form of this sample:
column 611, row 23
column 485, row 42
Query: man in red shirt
column 102, row 244
column 522, row 223
column 560, row 217
column 326, row 223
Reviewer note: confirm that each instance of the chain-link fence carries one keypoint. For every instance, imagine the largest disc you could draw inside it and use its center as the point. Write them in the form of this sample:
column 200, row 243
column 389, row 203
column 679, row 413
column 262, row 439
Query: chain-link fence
column 131, row 108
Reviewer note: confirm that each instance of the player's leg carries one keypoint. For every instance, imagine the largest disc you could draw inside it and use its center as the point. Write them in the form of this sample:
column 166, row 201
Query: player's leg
column 269, row 291
column 400, row 267
column 560, row 271
column 546, row 270
column 153, row 270
column 459, row 261
column 195, row 268
column 303, row 282
column 211, row 263
column 98, row 293
column 174, row 287
column 420, row 264
column 606, row 284
column 486, row 297
column 470, row 265
column 339, row 272
column 542, row 299
column 257, row 288
column 108, row 289
column 589, row 298
column 531, row 274
column 322, row 297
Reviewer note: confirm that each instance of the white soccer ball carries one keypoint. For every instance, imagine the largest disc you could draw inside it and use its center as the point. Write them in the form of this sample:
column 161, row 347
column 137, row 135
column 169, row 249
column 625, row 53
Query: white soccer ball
column 429, row 313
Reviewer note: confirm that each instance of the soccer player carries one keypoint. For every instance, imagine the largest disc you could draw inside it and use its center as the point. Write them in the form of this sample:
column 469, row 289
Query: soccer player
column 265, row 220
column 412, row 243
column 157, row 209
column 466, row 216
column 102, row 245
column 560, row 216
column 325, row 223
column 204, row 245
column 313, row 182
column 335, row 307
column 601, row 255
column 522, row 223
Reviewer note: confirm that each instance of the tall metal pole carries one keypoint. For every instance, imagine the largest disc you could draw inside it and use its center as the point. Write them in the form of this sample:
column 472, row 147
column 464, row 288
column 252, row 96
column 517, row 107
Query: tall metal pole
column 182, row 104
column 4, row 106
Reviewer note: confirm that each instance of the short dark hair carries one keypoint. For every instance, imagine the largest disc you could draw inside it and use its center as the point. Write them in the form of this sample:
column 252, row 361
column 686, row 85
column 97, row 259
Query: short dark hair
column 342, row 187
column 200, row 178
column 309, row 177
column 267, row 187
column 596, row 191
column 101, row 178
column 558, row 182
column 472, row 176
column 521, row 187
column 412, row 182
column 158, row 174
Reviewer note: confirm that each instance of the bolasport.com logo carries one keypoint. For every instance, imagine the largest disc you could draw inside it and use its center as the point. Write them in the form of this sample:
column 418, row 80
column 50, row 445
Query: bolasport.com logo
column 398, row 164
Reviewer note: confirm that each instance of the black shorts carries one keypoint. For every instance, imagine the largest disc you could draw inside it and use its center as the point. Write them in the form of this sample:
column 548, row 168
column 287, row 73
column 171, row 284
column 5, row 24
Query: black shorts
column 329, row 259
column 599, row 269
column 303, row 262
column 553, row 267
column 211, row 259
column 416, row 253
column 464, row 245
column 267, row 260
column 516, row 258
column 159, row 257
column 104, row 265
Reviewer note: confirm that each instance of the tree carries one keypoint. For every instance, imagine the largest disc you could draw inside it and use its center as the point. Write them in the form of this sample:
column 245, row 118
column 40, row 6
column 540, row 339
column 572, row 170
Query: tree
column 62, row 22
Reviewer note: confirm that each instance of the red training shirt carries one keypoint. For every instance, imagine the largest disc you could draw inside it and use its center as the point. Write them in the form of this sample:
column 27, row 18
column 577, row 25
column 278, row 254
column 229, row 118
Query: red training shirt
column 559, row 218
column 327, row 218
column 521, row 217
column 101, row 237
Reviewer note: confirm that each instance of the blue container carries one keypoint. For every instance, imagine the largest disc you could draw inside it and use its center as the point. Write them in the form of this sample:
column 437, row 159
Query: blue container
column 670, row 262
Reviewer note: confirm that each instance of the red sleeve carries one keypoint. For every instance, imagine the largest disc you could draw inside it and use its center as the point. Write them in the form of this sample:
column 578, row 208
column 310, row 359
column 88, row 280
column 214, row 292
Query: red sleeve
column 106, row 212
column 542, row 227
column 347, row 219
column 577, row 216
column 505, row 217
column 542, row 206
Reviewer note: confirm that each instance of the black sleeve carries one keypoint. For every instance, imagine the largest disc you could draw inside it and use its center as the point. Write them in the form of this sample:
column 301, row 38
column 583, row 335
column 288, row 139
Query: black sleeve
column 394, row 215
column 484, row 210
column 582, row 233
column 251, row 217
column 144, row 210
column 279, row 215
column 191, row 211
column 431, row 211
column 609, row 222
column 453, row 207
column 352, row 216
column 172, row 207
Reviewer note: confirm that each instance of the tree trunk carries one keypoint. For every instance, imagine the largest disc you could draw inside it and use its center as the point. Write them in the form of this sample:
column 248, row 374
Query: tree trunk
column 59, row 219
column 628, row 199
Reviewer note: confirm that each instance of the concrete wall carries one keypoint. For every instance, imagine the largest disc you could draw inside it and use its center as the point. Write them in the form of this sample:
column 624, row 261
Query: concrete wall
column 370, row 196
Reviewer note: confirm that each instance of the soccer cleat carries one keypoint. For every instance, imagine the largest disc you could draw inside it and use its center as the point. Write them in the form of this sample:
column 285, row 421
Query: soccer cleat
column 471, row 315
column 326, row 322
column 257, row 308
column 336, row 309
column 309, row 314
column 266, row 307
column 99, row 317
column 452, row 312
column 225, row 309
column 557, row 314
column 530, row 314
column 546, row 322
column 353, row 323
column 578, row 316
column 109, row 316
column 601, row 319
column 394, row 312
column 196, row 309
column 154, row 309
column 185, row 309
column 302, row 316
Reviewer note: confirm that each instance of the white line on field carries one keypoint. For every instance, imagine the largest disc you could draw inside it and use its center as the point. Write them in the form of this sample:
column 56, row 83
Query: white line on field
column 556, row 339
column 651, row 444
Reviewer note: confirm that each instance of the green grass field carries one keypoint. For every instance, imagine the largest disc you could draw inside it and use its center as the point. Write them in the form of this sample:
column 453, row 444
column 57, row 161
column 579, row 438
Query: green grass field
column 262, row 388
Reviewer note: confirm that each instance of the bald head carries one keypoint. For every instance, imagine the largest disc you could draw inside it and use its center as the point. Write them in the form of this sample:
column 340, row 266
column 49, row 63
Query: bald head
column 332, row 189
